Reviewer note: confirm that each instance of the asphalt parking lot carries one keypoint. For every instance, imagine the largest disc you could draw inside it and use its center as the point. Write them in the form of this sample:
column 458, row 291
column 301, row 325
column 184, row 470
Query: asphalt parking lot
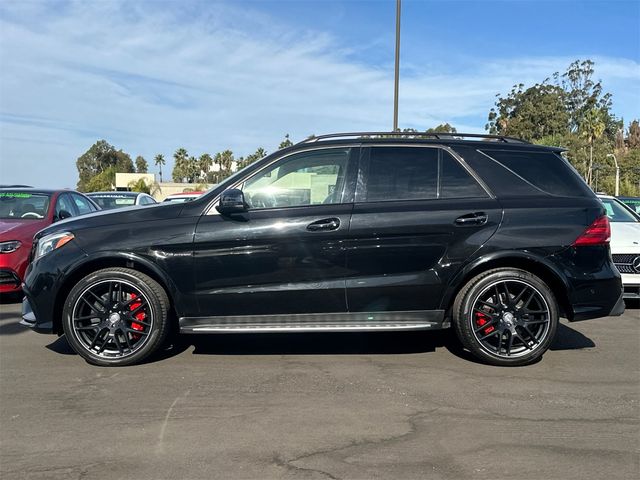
column 389, row 406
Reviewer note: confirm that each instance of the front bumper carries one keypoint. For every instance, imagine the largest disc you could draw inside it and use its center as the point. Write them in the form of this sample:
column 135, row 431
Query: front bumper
column 29, row 319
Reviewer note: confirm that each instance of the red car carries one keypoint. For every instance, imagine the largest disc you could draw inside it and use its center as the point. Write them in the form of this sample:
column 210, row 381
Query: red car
column 23, row 212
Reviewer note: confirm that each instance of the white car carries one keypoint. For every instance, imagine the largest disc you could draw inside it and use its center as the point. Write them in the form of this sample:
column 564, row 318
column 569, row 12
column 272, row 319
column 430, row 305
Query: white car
column 625, row 243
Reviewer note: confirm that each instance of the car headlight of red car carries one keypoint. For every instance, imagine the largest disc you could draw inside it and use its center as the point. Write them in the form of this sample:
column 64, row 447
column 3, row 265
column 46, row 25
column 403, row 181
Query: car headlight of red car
column 9, row 247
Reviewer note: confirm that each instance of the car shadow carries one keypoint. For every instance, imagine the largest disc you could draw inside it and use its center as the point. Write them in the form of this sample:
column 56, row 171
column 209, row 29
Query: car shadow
column 10, row 298
column 361, row 343
column 569, row 339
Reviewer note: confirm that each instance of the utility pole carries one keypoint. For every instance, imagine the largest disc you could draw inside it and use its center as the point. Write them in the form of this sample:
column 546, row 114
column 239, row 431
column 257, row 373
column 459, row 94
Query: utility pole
column 397, row 73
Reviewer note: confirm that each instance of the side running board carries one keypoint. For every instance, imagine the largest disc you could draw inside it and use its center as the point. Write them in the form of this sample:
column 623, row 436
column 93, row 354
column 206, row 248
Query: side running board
column 316, row 322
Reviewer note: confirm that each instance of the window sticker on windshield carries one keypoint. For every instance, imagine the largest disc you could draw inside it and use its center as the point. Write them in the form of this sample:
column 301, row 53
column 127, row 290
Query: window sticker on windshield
column 15, row 195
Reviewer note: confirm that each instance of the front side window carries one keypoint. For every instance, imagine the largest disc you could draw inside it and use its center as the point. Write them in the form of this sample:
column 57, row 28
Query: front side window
column 82, row 205
column 307, row 178
column 64, row 203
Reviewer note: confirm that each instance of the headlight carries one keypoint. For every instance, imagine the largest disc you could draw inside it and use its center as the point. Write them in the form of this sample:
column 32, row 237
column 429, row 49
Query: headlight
column 52, row 242
column 9, row 247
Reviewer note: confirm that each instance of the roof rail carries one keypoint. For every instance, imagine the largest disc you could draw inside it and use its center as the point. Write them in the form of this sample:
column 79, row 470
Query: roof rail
column 439, row 136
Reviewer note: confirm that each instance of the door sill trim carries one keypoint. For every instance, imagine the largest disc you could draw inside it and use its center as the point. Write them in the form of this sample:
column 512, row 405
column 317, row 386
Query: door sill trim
column 316, row 322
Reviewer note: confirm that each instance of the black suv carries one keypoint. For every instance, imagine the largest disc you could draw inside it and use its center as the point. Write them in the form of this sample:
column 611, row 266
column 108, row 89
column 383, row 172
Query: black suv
column 345, row 232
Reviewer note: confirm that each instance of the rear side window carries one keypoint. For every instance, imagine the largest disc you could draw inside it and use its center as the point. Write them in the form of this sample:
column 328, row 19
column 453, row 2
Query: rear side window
column 545, row 171
column 397, row 173
column 455, row 181
column 417, row 173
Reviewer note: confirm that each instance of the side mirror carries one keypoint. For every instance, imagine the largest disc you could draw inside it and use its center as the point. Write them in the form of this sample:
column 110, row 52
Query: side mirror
column 231, row 201
column 62, row 214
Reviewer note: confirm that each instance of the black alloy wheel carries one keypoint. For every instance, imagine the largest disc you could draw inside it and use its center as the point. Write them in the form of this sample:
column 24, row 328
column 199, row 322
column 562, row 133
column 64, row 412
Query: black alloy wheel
column 506, row 317
column 116, row 316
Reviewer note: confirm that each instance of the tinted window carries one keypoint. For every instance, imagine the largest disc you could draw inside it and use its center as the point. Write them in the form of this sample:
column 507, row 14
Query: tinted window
column 402, row 173
column 545, row 171
column 309, row 178
column 83, row 205
column 456, row 182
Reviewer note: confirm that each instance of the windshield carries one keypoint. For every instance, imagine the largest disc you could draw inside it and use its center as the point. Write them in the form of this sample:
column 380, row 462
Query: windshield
column 23, row 205
column 617, row 212
column 108, row 202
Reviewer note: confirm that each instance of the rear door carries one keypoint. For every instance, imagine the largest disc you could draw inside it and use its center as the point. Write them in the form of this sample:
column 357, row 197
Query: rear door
column 418, row 215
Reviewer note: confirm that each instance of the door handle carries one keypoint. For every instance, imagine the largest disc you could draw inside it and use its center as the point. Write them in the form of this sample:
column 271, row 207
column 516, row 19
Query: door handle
column 476, row 218
column 325, row 224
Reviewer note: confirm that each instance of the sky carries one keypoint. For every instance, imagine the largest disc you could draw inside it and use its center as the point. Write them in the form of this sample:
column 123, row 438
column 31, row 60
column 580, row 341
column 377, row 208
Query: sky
column 153, row 76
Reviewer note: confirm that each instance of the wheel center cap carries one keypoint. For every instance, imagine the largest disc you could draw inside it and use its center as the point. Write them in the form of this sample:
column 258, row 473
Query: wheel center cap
column 114, row 318
column 507, row 317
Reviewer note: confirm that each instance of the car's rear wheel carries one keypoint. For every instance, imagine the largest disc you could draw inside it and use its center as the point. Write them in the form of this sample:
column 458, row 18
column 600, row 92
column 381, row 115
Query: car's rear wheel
column 506, row 317
column 116, row 317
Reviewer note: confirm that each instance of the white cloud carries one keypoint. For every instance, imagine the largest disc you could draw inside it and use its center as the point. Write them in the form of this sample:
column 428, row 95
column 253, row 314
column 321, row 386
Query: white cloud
column 150, row 80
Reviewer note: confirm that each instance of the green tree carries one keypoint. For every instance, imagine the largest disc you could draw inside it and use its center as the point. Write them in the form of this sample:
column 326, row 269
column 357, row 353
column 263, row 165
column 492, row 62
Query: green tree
column 285, row 143
column 592, row 128
column 141, row 185
column 103, row 181
column 583, row 94
column 141, row 164
column 530, row 114
column 98, row 158
column 633, row 137
column 443, row 128
column 180, row 170
column 205, row 162
column 160, row 162
column 253, row 157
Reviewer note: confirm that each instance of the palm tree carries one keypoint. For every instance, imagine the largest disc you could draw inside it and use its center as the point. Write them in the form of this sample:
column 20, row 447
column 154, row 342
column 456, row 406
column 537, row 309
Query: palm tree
column 204, row 164
column 181, row 165
column 591, row 129
column 141, row 185
column 160, row 161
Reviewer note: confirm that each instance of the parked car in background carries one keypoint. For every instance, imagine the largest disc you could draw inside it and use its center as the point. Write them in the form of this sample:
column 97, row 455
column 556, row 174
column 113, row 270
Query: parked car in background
column 109, row 200
column 24, row 211
column 182, row 197
column 632, row 202
column 490, row 235
column 625, row 243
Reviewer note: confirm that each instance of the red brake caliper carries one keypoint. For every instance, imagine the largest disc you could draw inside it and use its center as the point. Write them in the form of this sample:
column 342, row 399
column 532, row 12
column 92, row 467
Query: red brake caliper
column 138, row 316
column 482, row 319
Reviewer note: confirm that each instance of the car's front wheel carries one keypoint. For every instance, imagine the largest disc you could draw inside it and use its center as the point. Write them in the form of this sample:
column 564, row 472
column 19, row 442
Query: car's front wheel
column 506, row 316
column 116, row 317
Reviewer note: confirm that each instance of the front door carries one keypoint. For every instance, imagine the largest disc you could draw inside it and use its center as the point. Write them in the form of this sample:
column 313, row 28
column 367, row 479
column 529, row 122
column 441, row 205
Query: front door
column 418, row 215
column 286, row 254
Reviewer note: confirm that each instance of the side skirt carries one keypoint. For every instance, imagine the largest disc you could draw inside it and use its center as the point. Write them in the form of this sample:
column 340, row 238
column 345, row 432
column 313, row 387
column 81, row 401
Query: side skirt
column 316, row 322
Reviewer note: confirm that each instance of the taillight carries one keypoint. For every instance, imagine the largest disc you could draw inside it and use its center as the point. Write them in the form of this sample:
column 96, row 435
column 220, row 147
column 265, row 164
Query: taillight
column 598, row 233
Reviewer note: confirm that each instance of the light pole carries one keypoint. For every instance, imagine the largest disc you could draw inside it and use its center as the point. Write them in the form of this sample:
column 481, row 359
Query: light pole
column 615, row 160
column 397, row 72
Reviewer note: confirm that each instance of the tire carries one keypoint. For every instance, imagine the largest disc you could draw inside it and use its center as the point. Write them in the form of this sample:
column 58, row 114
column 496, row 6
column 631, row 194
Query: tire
column 506, row 317
column 116, row 317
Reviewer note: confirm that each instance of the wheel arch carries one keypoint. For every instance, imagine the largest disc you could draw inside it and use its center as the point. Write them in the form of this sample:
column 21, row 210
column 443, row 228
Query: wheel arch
column 536, row 265
column 108, row 260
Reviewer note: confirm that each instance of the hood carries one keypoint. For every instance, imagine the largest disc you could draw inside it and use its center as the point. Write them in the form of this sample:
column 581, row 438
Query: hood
column 625, row 234
column 22, row 230
column 117, row 216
